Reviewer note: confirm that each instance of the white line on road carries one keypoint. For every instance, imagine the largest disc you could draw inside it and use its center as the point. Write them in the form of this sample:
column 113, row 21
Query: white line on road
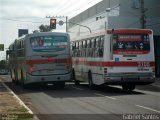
column 147, row 108
column 105, row 96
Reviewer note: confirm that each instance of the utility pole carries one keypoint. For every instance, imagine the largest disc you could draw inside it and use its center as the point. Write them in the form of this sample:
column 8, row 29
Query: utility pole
column 143, row 16
column 66, row 24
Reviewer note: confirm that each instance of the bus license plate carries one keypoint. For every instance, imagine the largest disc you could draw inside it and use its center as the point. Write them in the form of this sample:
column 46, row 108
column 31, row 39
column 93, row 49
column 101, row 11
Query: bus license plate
column 50, row 71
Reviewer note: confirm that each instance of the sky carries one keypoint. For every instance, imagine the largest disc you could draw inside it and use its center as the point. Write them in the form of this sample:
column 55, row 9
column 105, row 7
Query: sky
column 30, row 14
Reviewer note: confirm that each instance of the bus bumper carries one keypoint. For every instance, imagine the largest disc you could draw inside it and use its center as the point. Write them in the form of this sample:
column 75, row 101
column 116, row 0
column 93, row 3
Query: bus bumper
column 137, row 79
column 47, row 78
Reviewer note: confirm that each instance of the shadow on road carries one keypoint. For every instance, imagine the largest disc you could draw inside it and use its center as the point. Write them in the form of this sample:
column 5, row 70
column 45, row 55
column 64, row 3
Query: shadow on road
column 71, row 91
column 150, row 88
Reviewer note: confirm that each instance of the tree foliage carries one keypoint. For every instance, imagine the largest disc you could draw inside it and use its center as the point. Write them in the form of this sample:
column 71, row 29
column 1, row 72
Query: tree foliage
column 44, row 28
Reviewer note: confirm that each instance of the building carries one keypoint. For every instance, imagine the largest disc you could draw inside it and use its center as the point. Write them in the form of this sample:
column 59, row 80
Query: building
column 111, row 14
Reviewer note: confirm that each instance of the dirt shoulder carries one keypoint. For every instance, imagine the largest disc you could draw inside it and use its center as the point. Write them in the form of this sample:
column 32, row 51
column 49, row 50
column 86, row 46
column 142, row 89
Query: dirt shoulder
column 10, row 107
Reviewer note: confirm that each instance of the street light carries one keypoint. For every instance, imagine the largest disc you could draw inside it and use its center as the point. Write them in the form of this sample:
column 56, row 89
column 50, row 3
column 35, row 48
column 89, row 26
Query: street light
column 82, row 26
column 111, row 8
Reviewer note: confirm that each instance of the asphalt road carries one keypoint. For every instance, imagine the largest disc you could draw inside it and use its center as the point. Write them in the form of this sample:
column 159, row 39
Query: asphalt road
column 80, row 103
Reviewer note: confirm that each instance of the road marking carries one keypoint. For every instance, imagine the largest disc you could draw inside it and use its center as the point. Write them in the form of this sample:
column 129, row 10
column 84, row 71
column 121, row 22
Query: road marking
column 147, row 108
column 105, row 96
column 77, row 88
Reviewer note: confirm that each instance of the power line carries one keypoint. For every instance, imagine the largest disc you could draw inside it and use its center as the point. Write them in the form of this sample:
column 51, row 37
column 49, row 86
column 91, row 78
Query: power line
column 80, row 7
column 9, row 19
column 66, row 6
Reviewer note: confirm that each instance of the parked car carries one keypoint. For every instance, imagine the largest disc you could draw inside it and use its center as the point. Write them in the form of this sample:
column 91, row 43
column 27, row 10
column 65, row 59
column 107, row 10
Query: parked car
column 3, row 72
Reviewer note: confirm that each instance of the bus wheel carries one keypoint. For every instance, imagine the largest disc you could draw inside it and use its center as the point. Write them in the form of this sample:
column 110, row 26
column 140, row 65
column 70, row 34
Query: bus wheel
column 13, row 80
column 22, row 80
column 60, row 85
column 131, row 87
column 76, row 82
column 124, row 86
column 91, row 85
column 16, row 78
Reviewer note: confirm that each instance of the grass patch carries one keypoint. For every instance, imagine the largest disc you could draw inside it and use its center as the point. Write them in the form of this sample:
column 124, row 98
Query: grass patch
column 18, row 113
column 20, row 109
column 17, row 116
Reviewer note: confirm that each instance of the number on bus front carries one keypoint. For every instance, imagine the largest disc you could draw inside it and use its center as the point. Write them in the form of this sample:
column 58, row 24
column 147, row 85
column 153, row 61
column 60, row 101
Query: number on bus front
column 143, row 64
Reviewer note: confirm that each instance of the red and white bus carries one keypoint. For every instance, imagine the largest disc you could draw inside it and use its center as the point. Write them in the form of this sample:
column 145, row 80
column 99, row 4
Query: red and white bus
column 115, row 57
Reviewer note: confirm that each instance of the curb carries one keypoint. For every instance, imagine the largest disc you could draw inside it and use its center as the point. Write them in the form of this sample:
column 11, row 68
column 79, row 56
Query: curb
column 19, row 100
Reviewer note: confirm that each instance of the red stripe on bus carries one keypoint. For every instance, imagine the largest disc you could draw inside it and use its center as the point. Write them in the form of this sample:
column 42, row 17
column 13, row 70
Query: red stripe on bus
column 48, row 61
column 130, row 52
column 112, row 64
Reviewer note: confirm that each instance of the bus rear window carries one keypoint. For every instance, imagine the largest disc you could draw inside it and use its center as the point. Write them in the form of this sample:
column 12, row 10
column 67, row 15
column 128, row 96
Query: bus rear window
column 131, row 44
column 48, row 43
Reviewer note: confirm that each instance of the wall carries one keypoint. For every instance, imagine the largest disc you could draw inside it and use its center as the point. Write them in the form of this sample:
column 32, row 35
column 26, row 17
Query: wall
column 127, row 15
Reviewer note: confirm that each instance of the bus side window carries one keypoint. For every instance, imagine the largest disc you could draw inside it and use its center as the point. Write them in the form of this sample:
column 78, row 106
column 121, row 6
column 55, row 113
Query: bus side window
column 81, row 47
column 73, row 49
column 101, row 46
column 88, row 48
column 92, row 47
column 97, row 47
column 77, row 51
column 85, row 46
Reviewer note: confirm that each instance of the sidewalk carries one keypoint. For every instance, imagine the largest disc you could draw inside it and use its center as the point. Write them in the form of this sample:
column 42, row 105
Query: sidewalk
column 11, row 107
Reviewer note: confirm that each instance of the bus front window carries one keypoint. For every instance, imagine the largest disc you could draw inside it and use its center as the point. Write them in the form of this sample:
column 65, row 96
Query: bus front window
column 131, row 44
column 48, row 43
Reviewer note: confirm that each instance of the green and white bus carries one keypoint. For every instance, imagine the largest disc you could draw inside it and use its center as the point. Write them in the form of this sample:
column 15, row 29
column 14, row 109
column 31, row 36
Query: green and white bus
column 42, row 57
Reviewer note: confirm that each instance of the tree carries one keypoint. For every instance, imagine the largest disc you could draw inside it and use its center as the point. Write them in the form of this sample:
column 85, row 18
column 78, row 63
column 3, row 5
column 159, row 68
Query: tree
column 44, row 28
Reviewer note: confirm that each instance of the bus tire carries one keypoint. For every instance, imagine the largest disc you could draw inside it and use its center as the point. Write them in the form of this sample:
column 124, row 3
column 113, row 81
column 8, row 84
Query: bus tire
column 76, row 82
column 131, row 87
column 13, row 80
column 124, row 86
column 91, row 85
column 22, row 80
column 16, row 78
column 59, row 85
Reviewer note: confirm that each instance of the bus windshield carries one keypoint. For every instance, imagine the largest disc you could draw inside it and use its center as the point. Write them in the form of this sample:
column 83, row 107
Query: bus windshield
column 131, row 44
column 48, row 43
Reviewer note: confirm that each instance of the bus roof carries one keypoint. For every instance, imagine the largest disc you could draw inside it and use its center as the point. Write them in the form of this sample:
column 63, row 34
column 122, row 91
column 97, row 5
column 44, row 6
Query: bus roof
column 49, row 33
column 115, row 31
